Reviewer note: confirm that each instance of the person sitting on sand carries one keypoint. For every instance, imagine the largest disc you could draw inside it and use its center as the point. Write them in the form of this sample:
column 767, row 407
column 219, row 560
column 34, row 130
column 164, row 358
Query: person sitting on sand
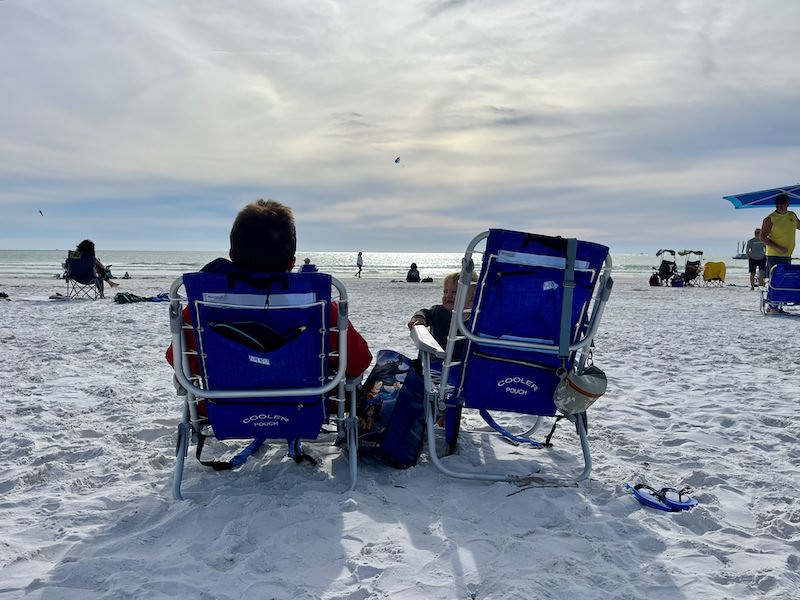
column 308, row 267
column 263, row 239
column 413, row 274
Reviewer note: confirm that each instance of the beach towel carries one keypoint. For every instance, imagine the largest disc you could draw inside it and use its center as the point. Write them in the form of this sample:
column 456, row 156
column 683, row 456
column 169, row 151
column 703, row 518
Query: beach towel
column 128, row 298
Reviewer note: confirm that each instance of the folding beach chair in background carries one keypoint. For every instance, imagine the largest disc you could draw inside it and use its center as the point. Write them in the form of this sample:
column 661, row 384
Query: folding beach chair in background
column 783, row 289
column 537, row 307
column 79, row 272
column 260, row 367
column 714, row 274
column 693, row 268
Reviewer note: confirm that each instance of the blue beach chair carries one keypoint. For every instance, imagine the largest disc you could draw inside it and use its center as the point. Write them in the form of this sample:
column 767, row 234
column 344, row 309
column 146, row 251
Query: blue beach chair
column 537, row 307
column 783, row 288
column 79, row 272
column 260, row 366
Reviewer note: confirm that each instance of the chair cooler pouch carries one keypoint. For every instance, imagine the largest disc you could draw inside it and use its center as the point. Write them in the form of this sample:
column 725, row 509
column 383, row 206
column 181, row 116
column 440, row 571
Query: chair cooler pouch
column 278, row 339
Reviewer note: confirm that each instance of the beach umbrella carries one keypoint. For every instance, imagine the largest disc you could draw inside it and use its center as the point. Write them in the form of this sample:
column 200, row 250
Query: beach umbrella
column 764, row 198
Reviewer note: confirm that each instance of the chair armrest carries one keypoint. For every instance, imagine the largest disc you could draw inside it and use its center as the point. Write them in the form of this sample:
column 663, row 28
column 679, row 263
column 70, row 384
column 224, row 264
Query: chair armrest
column 352, row 382
column 425, row 342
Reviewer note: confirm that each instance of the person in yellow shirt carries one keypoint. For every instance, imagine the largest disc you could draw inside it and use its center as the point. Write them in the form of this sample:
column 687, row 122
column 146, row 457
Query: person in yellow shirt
column 778, row 232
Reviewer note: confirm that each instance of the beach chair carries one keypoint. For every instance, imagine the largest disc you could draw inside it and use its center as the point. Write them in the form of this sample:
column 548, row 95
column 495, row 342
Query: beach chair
column 714, row 274
column 783, row 289
column 667, row 268
column 692, row 269
column 536, row 310
column 80, row 275
column 252, row 362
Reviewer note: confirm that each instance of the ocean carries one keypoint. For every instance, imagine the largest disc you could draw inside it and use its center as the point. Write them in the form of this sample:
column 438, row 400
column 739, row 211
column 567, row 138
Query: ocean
column 155, row 264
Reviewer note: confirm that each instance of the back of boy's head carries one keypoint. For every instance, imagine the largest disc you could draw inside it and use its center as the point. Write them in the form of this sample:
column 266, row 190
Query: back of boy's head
column 263, row 237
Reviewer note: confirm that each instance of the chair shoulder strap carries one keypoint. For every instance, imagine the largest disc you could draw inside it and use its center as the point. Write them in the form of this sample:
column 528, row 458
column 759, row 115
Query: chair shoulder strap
column 566, row 299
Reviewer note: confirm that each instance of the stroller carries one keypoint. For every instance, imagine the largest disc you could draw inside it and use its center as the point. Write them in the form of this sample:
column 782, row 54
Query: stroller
column 667, row 269
column 692, row 270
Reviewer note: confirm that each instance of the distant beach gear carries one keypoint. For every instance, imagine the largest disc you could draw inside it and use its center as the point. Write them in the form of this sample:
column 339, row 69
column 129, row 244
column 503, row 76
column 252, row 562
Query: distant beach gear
column 667, row 268
column 692, row 269
column 783, row 289
column 764, row 198
column 667, row 499
column 536, row 311
column 129, row 298
column 714, row 274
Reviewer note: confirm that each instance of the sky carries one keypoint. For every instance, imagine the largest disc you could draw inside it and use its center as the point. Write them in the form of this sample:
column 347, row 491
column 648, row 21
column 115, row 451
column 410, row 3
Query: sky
column 148, row 124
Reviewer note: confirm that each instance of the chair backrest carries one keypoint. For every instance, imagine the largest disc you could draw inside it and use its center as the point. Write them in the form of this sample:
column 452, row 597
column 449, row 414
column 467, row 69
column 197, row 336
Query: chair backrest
column 80, row 266
column 537, row 303
column 692, row 268
column 666, row 269
column 784, row 283
column 263, row 333
column 714, row 271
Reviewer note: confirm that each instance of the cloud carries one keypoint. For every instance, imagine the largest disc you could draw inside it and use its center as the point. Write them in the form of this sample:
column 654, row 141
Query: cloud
column 617, row 121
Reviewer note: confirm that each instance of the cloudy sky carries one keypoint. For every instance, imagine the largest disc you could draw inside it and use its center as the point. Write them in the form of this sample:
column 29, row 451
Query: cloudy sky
column 147, row 124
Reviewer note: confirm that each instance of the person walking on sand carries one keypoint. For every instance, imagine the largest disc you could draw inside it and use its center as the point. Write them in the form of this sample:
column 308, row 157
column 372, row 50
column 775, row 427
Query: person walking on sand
column 756, row 252
column 359, row 264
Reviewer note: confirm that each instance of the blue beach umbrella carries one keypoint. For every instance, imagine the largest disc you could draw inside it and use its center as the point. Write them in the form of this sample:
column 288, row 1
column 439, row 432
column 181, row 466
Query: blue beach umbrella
column 764, row 198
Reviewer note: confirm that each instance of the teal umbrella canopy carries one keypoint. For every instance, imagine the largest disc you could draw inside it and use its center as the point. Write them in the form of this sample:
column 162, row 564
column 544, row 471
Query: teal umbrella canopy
column 764, row 198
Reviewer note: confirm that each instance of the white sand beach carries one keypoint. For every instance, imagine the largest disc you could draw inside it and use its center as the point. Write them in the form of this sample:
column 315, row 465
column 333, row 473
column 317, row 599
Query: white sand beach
column 703, row 391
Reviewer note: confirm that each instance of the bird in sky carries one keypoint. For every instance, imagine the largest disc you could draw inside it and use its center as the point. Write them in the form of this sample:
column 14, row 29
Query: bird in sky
column 397, row 160
column 41, row 213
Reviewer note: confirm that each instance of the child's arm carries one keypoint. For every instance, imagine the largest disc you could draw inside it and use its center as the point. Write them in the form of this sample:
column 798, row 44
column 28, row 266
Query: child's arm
column 419, row 318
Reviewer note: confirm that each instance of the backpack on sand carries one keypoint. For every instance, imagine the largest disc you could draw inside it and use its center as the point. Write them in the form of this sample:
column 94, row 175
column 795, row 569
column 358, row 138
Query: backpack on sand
column 390, row 408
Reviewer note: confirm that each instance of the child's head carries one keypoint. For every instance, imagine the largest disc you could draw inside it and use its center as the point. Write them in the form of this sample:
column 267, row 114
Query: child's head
column 450, row 287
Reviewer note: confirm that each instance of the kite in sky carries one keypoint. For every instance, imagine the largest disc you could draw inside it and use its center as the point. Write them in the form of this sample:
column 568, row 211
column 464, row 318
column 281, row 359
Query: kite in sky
column 397, row 160
column 41, row 213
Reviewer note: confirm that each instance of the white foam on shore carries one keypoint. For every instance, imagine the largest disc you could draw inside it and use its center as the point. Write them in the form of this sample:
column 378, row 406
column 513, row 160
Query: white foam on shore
column 703, row 391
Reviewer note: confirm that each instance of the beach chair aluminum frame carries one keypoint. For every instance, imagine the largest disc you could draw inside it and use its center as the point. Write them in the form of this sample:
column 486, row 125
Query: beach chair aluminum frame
column 80, row 276
column 786, row 292
column 439, row 387
column 188, row 386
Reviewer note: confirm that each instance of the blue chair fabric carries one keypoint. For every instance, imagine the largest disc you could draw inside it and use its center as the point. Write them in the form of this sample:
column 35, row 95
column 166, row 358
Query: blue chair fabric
column 537, row 305
column 267, row 345
column 524, row 302
column 783, row 287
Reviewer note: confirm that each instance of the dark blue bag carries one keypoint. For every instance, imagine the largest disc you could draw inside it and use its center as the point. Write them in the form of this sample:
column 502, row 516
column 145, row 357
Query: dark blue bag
column 391, row 412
